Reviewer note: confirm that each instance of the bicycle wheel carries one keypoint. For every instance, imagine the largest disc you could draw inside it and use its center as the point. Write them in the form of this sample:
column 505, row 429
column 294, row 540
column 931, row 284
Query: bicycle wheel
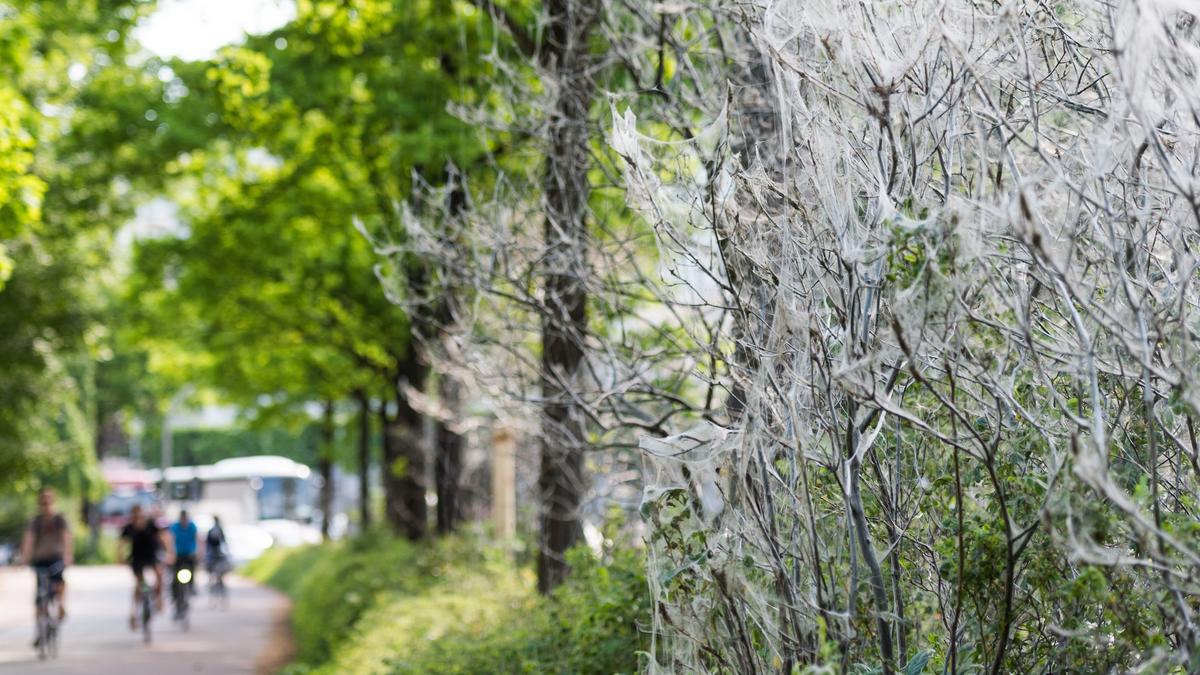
column 220, row 593
column 52, row 639
column 146, row 612
column 42, row 636
column 185, row 604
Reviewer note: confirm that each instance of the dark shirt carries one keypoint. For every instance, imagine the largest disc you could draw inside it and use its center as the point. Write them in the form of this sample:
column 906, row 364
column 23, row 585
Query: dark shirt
column 143, row 542
column 215, row 537
column 215, row 543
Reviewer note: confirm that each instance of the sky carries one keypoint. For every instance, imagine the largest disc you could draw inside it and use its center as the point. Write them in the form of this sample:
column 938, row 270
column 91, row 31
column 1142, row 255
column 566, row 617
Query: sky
column 195, row 29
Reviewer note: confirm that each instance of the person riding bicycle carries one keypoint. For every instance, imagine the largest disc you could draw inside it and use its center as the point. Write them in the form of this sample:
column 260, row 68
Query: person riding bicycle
column 143, row 539
column 216, row 553
column 216, row 560
column 186, row 537
column 48, row 547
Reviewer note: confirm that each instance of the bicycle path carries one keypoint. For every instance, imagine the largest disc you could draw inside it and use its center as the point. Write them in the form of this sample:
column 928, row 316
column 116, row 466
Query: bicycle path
column 250, row 636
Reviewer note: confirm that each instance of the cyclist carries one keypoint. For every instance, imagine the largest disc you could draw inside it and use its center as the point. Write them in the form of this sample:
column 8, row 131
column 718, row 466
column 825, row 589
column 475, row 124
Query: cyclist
column 215, row 554
column 47, row 545
column 216, row 557
column 143, row 539
column 186, row 537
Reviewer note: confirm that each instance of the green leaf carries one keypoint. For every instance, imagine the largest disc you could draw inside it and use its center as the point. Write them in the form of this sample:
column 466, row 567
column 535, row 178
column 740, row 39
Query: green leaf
column 917, row 665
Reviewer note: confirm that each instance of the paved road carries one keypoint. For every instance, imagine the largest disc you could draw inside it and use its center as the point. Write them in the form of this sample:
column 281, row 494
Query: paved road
column 248, row 637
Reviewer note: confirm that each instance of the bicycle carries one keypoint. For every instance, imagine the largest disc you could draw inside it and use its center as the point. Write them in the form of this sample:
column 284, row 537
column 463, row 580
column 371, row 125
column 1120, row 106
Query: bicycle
column 181, row 592
column 217, row 589
column 47, row 612
column 147, row 609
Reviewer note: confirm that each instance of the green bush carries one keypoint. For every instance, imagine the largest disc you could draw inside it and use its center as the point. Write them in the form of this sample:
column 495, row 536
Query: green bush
column 378, row 605
column 592, row 625
column 284, row 568
column 469, row 604
column 334, row 585
column 103, row 553
column 15, row 513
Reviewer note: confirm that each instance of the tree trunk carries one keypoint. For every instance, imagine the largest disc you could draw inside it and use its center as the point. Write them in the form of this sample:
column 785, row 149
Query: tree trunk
column 404, row 480
column 109, row 438
column 448, row 468
column 504, row 482
column 561, row 482
column 405, row 467
column 325, row 467
column 391, row 490
column 364, row 459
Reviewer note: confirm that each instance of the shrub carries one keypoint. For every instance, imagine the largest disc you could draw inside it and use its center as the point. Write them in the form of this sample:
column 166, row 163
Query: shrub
column 378, row 605
column 468, row 605
column 103, row 553
column 592, row 625
column 334, row 585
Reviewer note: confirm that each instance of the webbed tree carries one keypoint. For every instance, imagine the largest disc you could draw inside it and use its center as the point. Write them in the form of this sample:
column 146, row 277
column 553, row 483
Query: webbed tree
column 564, row 332
column 960, row 253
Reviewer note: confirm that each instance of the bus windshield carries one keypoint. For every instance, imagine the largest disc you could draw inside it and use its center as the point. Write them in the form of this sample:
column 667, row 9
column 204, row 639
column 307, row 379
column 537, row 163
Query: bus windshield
column 284, row 498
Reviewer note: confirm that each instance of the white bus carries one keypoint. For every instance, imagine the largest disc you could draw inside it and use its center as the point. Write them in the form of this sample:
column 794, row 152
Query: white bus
column 261, row 500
